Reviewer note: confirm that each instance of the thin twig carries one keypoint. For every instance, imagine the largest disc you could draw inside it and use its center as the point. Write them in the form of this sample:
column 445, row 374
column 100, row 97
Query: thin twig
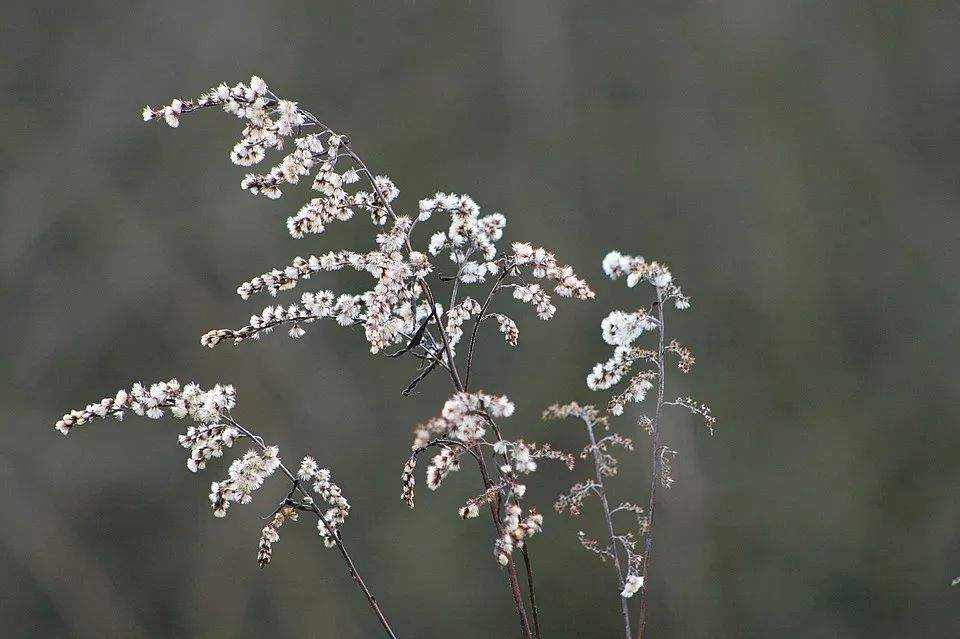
column 419, row 378
column 476, row 325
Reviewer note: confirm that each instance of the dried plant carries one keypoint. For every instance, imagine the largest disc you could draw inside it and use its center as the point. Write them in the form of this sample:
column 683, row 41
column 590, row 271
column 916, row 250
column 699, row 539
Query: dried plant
column 402, row 312
column 401, row 309
column 644, row 369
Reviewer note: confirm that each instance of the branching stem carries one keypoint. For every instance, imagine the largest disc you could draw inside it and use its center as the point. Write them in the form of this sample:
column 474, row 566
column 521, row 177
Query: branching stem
column 600, row 490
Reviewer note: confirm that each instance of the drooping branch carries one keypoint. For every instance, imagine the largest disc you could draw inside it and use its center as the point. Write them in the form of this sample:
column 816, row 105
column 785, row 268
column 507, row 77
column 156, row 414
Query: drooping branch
column 310, row 501
column 215, row 431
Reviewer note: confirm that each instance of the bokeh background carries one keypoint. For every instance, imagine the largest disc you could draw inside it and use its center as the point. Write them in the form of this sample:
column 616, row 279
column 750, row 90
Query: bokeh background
column 795, row 163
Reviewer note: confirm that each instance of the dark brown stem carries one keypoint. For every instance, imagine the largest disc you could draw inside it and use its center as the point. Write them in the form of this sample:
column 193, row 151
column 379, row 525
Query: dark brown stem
column 655, row 475
column 357, row 578
column 533, row 594
column 419, row 378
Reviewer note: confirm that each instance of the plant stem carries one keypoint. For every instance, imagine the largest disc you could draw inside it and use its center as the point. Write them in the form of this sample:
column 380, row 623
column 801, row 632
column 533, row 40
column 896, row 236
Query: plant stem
column 655, row 473
column 601, row 492
column 511, row 566
column 533, row 594
column 524, row 548
column 356, row 577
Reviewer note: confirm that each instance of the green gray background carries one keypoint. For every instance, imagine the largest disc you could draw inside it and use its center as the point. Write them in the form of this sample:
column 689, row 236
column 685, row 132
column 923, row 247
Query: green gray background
column 794, row 162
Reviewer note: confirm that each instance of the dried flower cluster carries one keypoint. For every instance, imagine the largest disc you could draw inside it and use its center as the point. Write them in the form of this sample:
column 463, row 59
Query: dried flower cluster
column 462, row 430
column 398, row 302
column 329, row 524
column 270, row 533
column 245, row 476
column 215, row 431
column 204, row 407
column 401, row 309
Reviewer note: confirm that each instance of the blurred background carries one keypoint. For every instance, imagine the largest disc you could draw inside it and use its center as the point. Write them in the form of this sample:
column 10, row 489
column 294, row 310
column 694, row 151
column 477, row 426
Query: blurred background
column 795, row 163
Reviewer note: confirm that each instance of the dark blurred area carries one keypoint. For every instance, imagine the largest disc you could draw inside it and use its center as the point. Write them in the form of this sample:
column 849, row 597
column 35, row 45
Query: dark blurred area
column 795, row 163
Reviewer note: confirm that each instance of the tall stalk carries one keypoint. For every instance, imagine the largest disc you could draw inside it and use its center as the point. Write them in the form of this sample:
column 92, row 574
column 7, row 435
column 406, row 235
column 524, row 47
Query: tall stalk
column 655, row 468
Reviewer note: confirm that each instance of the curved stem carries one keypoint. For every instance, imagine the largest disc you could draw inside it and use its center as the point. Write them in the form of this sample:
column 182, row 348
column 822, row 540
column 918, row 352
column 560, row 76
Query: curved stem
column 476, row 325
